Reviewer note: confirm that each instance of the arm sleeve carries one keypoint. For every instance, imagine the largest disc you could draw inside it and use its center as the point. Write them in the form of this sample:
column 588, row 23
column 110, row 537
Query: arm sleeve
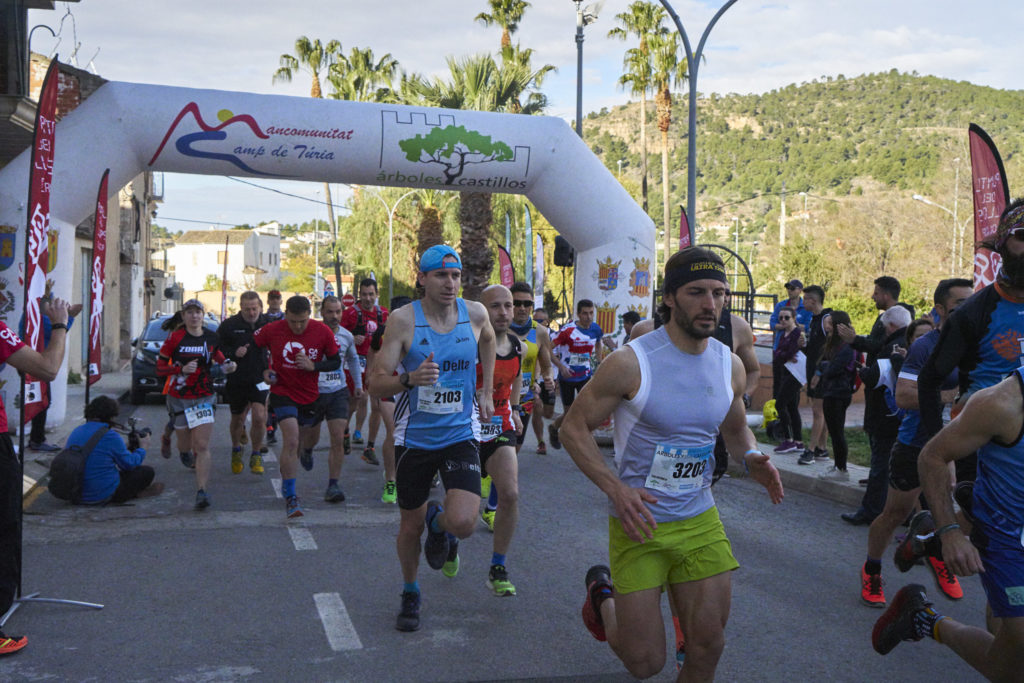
column 352, row 363
column 226, row 344
column 331, row 362
column 955, row 342
column 164, row 366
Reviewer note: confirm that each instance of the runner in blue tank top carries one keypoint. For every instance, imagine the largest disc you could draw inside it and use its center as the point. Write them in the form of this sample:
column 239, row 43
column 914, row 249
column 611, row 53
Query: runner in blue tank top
column 671, row 391
column 434, row 345
column 992, row 423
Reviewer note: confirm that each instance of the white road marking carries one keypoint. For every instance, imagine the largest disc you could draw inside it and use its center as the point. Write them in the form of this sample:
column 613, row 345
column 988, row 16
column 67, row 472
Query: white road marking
column 276, row 484
column 341, row 634
column 302, row 538
column 269, row 457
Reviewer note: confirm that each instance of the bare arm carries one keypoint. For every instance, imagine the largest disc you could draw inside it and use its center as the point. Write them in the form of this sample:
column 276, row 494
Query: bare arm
column 616, row 379
column 45, row 365
column 486, row 348
column 544, row 356
column 641, row 328
column 743, row 346
column 994, row 412
column 394, row 345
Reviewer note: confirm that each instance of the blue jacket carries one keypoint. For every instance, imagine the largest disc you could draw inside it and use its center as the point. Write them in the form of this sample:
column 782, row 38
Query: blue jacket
column 105, row 463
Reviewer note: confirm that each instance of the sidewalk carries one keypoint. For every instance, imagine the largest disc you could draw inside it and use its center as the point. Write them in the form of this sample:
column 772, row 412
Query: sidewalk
column 113, row 384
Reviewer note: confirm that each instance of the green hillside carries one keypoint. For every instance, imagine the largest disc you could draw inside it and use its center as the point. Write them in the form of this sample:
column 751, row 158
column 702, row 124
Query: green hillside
column 859, row 148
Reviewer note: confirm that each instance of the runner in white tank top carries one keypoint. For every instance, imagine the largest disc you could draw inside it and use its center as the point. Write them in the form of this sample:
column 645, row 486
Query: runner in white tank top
column 671, row 392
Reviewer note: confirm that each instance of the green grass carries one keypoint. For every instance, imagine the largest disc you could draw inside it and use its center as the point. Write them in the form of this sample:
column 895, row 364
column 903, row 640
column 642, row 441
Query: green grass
column 856, row 442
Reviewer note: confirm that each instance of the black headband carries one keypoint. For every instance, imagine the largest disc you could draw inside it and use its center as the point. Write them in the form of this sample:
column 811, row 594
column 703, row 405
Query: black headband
column 695, row 270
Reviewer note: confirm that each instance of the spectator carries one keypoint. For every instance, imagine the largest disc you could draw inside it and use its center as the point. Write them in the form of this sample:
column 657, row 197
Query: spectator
column 794, row 300
column 113, row 474
column 629, row 318
column 787, row 397
column 835, row 377
column 883, row 423
column 814, row 301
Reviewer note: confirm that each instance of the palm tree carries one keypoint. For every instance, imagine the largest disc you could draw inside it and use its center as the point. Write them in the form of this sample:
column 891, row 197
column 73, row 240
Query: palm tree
column 361, row 79
column 507, row 14
column 643, row 20
column 315, row 58
column 480, row 83
column 431, row 204
column 668, row 71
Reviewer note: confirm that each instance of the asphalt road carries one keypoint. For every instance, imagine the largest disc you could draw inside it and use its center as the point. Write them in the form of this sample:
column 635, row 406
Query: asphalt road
column 238, row 593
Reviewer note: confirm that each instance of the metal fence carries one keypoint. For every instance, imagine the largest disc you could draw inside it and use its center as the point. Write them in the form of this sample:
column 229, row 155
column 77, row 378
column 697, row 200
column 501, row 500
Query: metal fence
column 756, row 309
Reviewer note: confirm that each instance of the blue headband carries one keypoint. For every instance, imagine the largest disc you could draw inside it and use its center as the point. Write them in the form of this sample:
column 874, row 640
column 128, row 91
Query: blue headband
column 433, row 258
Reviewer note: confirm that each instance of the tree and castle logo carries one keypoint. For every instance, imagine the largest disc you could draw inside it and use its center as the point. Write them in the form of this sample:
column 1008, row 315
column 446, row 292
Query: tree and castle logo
column 439, row 152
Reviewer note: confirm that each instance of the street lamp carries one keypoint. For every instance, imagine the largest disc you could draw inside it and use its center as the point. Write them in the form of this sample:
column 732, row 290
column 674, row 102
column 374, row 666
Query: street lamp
column 956, row 227
column 391, row 240
column 584, row 17
column 620, row 168
column 693, row 63
column 736, row 249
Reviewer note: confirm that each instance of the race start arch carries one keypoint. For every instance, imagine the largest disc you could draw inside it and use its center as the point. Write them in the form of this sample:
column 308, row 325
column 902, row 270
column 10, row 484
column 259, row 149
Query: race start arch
column 130, row 128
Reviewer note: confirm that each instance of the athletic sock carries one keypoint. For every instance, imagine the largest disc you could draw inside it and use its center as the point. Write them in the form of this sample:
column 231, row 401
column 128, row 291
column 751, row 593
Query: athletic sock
column 432, row 523
column 369, row 444
column 256, row 453
column 332, row 482
column 873, row 566
column 287, row 487
column 308, row 451
column 492, row 499
column 236, row 449
column 925, row 622
column 413, row 587
column 497, row 558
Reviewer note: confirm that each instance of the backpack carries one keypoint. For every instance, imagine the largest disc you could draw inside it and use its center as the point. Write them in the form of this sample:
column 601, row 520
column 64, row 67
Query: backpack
column 68, row 468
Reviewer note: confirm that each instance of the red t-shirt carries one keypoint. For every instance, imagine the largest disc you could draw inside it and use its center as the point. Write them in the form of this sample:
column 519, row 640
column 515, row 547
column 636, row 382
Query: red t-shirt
column 316, row 341
column 357, row 321
column 9, row 343
column 181, row 348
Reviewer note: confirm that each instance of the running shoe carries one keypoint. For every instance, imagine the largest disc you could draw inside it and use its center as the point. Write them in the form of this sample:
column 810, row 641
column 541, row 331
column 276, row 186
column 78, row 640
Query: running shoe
column 834, row 474
column 11, row 644
column 871, row 593
column 680, row 651
column 236, row 461
column 346, row 443
column 497, row 581
column 451, row 565
column 807, row 458
column 264, row 450
column 542, row 449
column 187, row 459
column 488, row 517
column 820, row 454
column 390, row 494
column 334, row 494
column 292, row 507
column 898, row 622
column 256, row 463
column 272, row 438
column 945, row 579
column 435, row 548
column 357, row 437
column 914, row 544
column 409, row 617
column 556, row 443
column 783, row 447
column 599, row 578
column 165, row 446
column 370, row 457
column 202, row 500
column 306, row 459
column 44, row 447
column 485, row 487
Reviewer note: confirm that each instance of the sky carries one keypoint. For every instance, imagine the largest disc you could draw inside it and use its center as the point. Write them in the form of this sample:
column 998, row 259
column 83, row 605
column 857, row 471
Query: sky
column 755, row 47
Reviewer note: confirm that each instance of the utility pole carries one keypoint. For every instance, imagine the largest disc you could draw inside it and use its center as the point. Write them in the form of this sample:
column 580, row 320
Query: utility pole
column 782, row 217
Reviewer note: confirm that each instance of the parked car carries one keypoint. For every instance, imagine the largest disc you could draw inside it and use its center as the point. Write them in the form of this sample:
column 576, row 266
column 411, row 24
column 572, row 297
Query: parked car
column 147, row 346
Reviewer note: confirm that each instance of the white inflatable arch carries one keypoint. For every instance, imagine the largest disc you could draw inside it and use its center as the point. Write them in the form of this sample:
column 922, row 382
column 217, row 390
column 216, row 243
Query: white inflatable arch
column 131, row 128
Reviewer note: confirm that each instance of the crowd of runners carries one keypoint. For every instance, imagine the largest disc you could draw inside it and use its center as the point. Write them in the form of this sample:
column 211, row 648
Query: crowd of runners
column 457, row 384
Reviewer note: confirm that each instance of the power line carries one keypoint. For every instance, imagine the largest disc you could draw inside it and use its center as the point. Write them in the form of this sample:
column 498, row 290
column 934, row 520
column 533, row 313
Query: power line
column 287, row 194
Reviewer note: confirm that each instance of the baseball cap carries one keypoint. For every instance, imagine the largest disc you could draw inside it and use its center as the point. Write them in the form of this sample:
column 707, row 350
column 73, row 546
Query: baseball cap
column 433, row 258
column 794, row 284
column 193, row 303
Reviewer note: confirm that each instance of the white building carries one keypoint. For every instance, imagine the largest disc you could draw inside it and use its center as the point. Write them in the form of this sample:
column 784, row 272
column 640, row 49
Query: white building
column 253, row 257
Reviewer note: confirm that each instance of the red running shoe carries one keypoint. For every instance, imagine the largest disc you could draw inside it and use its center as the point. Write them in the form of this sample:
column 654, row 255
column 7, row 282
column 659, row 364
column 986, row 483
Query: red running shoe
column 598, row 576
column 11, row 644
column 897, row 624
column 871, row 589
column 945, row 579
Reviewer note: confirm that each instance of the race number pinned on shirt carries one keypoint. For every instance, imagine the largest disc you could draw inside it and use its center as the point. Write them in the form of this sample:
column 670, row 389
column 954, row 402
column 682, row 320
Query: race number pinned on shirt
column 200, row 414
column 329, row 381
column 262, row 386
column 492, row 430
column 676, row 468
column 443, row 398
column 527, row 376
column 578, row 359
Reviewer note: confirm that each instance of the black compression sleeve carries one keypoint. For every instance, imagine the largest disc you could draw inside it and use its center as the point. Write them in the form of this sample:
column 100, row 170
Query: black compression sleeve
column 328, row 364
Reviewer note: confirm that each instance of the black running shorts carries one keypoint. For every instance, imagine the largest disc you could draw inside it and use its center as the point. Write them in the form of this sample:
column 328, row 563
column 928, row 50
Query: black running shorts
column 458, row 464
column 285, row 408
column 903, row 467
column 569, row 391
column 488, row 448
column 239, row 394
column 332, row 406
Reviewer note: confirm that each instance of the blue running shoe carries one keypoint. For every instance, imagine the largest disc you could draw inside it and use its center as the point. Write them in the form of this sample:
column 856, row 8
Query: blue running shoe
column 292, row 507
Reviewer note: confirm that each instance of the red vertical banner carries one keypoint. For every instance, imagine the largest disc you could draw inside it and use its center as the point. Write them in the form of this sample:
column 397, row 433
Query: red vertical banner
column 224, row 282
column 991, row 195
column 684, row 231
column 506, row 270
column 99, row 259
column 36, row 243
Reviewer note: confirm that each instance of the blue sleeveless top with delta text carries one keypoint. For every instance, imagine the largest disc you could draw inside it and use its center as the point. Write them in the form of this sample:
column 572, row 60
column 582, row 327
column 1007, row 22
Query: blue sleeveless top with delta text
column 436, row 416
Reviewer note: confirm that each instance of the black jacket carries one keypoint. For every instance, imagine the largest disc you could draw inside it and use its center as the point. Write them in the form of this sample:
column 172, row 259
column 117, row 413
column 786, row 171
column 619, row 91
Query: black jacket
column 836, row 375
column 235, row 333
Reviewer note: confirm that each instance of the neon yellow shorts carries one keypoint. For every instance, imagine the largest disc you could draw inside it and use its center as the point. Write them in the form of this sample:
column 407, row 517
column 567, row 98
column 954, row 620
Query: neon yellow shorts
column 687, row 550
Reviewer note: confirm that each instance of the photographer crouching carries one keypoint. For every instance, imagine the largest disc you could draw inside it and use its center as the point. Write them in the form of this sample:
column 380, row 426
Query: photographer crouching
column 114, row 472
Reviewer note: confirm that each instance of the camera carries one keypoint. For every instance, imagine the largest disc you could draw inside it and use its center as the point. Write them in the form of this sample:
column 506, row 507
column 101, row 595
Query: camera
column 135, row 435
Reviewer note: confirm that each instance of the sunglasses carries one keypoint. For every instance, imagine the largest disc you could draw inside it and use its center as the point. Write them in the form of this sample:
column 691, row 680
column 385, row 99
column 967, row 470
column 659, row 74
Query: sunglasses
column 523, row 304
column 785, row 317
